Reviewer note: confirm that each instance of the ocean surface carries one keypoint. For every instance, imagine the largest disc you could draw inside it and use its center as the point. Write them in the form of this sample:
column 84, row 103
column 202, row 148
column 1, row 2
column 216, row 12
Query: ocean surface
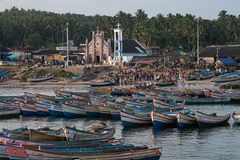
column 219, row 143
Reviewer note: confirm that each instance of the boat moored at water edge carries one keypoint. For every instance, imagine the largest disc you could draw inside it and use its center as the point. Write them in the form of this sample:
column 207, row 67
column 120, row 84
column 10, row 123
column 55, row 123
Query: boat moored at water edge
column 186, row 120
column 211, row 120
column 134, row 120
column 40, row 79
column 28, row 109
column 101, row 84
column 18, row 152
column 163, row 119
column 72, row 110
column 171, row 105
column 165, row 84
column 73, row 134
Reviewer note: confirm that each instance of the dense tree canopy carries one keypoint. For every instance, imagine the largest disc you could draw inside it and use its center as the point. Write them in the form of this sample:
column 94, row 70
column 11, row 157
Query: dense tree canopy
column 40, row 29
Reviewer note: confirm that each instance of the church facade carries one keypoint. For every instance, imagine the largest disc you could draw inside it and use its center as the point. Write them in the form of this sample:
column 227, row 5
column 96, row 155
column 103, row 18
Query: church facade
column 97, row 50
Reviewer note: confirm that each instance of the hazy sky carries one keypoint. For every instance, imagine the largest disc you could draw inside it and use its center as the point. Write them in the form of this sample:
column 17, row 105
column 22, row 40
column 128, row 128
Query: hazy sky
column 204, row 8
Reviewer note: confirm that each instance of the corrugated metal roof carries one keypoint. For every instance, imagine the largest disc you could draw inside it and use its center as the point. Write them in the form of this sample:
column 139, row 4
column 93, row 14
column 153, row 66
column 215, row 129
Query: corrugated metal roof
column 227, row 60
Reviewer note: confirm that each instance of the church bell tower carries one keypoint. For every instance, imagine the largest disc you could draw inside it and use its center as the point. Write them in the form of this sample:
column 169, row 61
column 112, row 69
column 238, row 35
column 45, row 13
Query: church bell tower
column 118, row 44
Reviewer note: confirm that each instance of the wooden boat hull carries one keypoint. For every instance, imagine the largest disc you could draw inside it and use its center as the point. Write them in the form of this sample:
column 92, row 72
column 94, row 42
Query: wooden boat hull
column 161, row 120
column 164, row 84
column 40, row 79
column 205, row 120
column 225, row 80
column 73, row 134
column 132, row 120
column 105, row 111
column 38, row 136
column 144, row 154
column 71, row 111
column 42, row 109
column 55, row 110
column 28, row 109
column 186, row 121
column 22, row 134
column 102, row 84
column 92, row 111
column 234, row 76
column 165, row 105
column 116, row 114
column 8, row 114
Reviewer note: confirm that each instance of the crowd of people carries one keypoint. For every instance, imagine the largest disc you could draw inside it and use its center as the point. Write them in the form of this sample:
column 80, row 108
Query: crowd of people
column 135, row 75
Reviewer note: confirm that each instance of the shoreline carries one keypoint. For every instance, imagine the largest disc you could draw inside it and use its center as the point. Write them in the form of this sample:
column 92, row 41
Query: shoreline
column 17, row 83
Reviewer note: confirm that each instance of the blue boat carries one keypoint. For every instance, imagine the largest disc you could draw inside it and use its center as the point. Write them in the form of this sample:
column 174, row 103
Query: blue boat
column 161, row 120
column 28, row 109
column 55, row 110
column 234, row 76
column 134, row 120
column 73, row 110
column 42, row 109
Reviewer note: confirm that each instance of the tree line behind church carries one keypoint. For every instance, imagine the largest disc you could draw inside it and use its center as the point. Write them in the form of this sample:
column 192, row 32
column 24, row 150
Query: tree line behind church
column 40, row 29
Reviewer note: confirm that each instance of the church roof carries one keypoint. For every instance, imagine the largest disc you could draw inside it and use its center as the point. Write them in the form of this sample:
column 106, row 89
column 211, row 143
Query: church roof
column 131, row 47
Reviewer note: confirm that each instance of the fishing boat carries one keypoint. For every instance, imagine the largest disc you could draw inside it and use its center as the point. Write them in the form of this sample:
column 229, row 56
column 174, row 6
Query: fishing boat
column 105, row 111
column 19, row 133
column 204, row 74
column 55, row 110
column 201, row 75
column 172, row 105
column 122, row 92
column 186, row 120
column 165, row 83
column 139, row 97
column 49, row 136
column 161, row 120
column 28, row 109
column 24, row 133
column 234, row 76
column 9, row 110
column 73, row 134
column 197, row 101
column 92, row 110
column 101, row 84
column 40, row 79
column 73, row 110
column 42, row 109
column 236, row 118
column 211, row 120
column 55, row 144
column 115, row 108
column 63, row 94
column 18, row 152
column 134, row 120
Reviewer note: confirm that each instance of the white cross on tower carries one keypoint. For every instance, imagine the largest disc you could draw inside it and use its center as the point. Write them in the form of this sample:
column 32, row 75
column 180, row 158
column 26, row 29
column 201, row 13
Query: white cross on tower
column 118, row 25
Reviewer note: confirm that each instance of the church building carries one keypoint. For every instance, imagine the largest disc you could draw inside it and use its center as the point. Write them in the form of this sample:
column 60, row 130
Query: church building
column 113, row 51
column 97, row 50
